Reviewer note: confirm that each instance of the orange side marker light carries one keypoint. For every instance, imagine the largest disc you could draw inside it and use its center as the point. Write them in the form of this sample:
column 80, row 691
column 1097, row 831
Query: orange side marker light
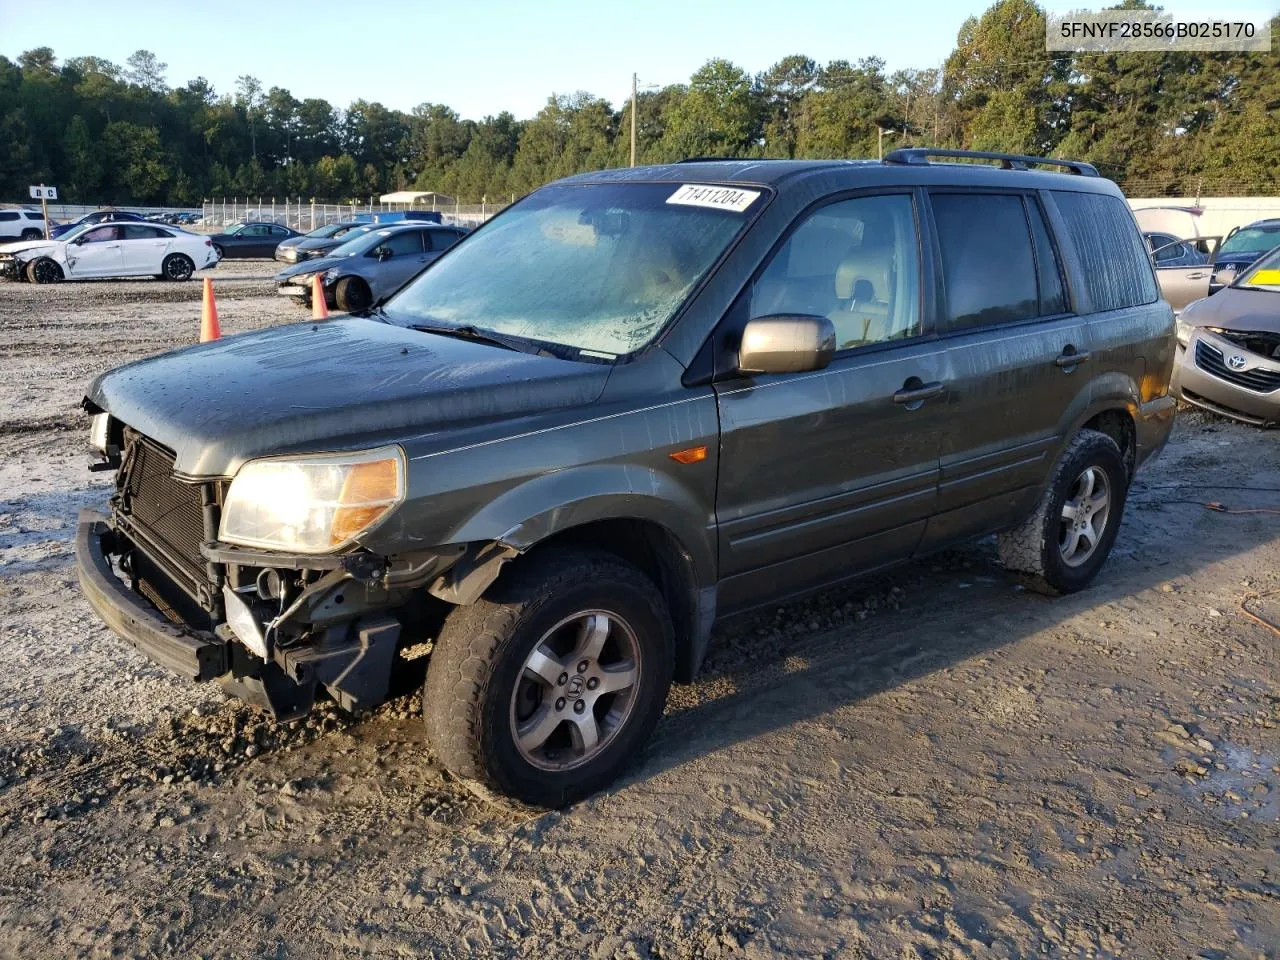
column 691, row 455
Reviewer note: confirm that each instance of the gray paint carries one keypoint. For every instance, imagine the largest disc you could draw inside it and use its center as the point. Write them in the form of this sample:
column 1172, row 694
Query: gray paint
column 809, row 477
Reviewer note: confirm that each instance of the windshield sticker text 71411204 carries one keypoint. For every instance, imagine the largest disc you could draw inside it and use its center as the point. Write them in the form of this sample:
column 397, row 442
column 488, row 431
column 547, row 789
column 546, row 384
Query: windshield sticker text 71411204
column 717, row 198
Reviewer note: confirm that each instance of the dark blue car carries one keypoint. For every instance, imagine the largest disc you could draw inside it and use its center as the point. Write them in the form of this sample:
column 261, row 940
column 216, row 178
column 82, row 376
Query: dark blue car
column 98, row 216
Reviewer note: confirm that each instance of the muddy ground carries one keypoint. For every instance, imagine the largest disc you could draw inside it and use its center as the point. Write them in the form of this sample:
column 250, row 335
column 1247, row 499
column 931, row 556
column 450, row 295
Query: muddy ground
column 934, row 763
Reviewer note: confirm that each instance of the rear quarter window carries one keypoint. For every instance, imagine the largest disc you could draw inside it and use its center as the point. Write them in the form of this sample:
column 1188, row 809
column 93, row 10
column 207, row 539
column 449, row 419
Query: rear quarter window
column 1112, row 255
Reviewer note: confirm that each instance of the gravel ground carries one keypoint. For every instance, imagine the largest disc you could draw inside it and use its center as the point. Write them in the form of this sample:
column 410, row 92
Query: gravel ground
column 934, row 763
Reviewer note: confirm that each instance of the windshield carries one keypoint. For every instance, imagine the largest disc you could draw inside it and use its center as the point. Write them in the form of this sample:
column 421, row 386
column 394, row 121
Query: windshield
column 1252, row 240
column 597, row 267
column 329, row 230
column 1263, row 275
column 360, row 244
column 75, row 231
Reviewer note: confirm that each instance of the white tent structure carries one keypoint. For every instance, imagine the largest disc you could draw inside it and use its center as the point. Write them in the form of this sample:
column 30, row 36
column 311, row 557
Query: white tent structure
column 418, row 198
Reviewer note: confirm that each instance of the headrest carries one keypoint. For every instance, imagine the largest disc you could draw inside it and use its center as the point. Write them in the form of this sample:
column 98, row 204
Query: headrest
column 870, row 264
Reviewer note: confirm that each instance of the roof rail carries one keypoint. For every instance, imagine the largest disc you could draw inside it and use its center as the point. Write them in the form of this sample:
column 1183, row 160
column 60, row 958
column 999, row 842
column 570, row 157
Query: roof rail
column 1008, row 161
column 707, row 159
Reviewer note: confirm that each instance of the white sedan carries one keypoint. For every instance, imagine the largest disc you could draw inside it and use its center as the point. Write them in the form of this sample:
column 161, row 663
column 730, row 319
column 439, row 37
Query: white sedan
column 109, row 250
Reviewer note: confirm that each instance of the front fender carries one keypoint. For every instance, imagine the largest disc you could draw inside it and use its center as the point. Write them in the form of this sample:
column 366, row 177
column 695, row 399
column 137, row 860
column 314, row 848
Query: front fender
column 554, row 502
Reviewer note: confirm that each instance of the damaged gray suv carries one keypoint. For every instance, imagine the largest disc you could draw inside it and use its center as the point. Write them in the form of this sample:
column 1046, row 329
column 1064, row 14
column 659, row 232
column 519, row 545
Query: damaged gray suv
column 634, row 402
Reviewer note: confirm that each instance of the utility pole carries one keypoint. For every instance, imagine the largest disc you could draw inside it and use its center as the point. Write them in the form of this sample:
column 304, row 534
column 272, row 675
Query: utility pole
column 634, row 88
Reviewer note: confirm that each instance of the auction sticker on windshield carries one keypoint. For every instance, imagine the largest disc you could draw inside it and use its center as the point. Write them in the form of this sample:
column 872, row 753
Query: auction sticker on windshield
column 717, row 198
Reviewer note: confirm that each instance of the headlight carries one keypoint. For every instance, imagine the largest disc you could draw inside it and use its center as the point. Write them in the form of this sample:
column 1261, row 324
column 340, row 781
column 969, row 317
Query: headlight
column 1183, row 331
column 98, row 431
column 312, row 504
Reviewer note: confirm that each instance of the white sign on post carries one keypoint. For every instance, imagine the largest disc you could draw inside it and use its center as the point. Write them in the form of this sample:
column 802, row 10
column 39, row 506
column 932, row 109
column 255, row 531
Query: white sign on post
column 43, row 193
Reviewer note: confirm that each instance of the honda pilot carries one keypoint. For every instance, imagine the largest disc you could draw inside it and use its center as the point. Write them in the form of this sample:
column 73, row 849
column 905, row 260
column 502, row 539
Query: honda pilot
column 633, row 403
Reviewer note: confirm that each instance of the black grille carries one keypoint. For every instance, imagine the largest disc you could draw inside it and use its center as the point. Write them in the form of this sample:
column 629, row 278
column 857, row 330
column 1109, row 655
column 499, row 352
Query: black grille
column 1211, row 360
column 163, row 515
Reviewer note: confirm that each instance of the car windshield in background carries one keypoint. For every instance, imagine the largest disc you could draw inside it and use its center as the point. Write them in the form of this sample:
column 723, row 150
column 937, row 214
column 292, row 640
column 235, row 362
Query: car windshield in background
column 1252, row 240
column 329, row 230
column 75, row 231
column 1263, row 275
column 363, row 243
column 597, row 267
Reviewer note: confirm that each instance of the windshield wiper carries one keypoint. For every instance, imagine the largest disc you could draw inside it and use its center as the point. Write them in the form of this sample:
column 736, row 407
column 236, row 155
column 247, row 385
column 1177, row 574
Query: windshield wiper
column 468, row 332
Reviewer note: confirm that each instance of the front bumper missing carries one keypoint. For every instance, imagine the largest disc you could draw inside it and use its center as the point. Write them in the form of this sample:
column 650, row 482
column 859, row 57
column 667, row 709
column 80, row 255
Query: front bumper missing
column 188, row 653
column 353, row 659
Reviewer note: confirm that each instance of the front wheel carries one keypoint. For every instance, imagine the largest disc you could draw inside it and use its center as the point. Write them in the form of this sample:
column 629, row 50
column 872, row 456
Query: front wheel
column 44, row 270
column 177, row 267
column 548, row 687
column 1064, row 544
column 352, row 295
column 219, row 251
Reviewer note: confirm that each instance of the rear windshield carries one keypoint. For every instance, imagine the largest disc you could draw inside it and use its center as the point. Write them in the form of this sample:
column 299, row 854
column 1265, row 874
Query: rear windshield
column 597, row 267
column 1114, row 257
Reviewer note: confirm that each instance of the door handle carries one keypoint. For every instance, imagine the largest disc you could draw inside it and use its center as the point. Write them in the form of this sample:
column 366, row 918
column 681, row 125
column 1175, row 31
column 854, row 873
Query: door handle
column 1071, row 359
column 1196, row 276
column 918, row 394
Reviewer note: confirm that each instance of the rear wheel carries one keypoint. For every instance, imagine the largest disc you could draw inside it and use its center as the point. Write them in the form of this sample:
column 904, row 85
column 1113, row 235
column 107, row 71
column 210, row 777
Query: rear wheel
column 1064, row 544
column 44, row 270
column 177, row 267
column 32, row 234
column 352, row 295
column 548, row 687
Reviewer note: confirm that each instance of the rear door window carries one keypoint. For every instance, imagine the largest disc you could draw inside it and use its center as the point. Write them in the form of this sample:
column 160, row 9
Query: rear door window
column 1115, row 262
column 988, row 267
column 138, row 232
column 6, row 215
column 442, row 239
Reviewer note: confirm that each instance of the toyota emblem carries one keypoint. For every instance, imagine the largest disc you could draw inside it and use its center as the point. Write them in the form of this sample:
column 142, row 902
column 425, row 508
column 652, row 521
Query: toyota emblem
column 1236, row 362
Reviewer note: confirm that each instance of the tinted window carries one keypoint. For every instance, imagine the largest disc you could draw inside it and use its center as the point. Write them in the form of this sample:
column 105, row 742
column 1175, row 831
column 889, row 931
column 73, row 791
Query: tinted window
column 136, row 232
column 103, row 234
column 255, row 230
column 1053, row 296
column 854, row 262
column 443, row 239
column 278, row 231
column 8, row 215
column 987, row 265
column 402, row 243
column 33, row 216
column 1115, row 263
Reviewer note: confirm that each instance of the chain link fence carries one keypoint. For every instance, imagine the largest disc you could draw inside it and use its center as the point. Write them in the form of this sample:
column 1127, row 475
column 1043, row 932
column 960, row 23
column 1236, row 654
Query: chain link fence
column 305, row 215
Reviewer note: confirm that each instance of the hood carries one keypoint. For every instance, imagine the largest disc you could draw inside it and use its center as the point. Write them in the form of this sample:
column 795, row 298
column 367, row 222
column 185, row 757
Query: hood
column 22, row 246
column 341, row 384
column 1232, row 308
column 320, row 243
column 314, row 265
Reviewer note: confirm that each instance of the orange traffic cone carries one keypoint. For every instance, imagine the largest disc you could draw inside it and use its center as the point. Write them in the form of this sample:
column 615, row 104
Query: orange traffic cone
column 319, row 309
column 209, row 328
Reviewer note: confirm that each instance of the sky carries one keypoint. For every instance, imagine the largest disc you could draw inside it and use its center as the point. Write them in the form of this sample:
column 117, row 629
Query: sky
column 484, row 56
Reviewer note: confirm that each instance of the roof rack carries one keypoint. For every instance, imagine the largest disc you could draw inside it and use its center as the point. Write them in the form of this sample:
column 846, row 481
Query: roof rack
column 1008, row 161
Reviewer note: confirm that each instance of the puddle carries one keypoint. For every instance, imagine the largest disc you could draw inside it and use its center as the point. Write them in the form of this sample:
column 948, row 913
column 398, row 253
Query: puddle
column 1246, row 786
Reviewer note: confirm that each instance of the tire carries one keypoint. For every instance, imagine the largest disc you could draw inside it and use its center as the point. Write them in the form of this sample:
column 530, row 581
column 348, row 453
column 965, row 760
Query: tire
column 32, row 235
column 1052, row 546
column 177, row 267
column 219, row 251
column 478, row 693
column 44, row 270
column 352, row 295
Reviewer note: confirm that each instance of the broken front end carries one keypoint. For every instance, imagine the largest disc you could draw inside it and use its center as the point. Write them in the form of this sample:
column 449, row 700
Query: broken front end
column 191, row 572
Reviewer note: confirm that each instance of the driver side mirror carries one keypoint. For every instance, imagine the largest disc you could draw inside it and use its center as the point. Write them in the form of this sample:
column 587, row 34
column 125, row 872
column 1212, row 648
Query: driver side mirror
column 384, row 253
column 79, row 241
column 786, row 343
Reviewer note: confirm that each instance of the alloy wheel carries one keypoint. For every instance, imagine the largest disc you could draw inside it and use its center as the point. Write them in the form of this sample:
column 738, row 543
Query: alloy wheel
column 576, row 690
column 1084, row 516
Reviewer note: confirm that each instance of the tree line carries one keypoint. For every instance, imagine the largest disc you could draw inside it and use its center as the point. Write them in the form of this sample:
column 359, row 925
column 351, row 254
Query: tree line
column 1168, row 121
